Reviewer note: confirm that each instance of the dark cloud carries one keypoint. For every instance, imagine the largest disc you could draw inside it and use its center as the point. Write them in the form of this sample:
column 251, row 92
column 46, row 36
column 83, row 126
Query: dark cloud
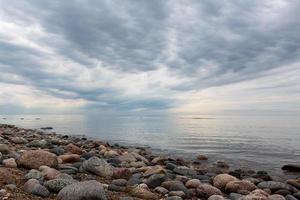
column 229, row 41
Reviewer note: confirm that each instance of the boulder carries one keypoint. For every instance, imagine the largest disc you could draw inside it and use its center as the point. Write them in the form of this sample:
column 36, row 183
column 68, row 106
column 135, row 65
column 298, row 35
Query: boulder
column 33, row 159
column 221, row 180
column 98, row 166
column 83, row 191
column 292, row 168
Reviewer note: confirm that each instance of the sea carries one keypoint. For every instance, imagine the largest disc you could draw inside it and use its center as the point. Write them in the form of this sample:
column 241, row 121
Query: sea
column 265, row 142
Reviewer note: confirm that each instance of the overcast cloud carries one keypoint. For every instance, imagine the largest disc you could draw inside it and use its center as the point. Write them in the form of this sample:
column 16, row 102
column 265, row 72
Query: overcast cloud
column 185, row 56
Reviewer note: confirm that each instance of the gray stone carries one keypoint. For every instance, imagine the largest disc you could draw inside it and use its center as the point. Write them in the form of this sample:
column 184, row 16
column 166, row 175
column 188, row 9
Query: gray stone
column 119, row 182
column 274, row 185
column 58, row 151
column 33, row 186
column 235, row 196
column 115, row 188
column 56, row 185
column 290, row 197
column 18, row 140
column 34, row 174
column 155, row 180
column 185, row 171
column 98, row 166
column 126, row 198
column 297, row 195
column 216, row 197
column 173, row 198
column 290, row 167
column 175, row 186
column 83, row 191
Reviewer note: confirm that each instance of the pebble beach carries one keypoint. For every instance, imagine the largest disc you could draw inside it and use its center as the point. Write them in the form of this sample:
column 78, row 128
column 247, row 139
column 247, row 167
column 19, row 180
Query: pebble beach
column 39, row 164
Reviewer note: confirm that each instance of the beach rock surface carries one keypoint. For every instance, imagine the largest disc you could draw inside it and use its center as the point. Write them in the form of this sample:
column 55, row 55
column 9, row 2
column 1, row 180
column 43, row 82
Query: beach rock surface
column 86, row 190
column 33, row 159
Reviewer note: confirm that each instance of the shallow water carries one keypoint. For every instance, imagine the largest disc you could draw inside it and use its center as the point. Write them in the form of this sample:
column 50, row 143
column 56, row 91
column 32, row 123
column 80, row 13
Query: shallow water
column 261, row 143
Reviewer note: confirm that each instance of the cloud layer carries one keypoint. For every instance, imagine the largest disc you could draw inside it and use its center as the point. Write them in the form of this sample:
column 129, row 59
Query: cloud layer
column 149, row 55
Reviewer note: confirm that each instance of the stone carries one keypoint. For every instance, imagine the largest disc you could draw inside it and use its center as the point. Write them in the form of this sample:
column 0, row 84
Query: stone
column 276, row 197
column 126, row 198
column 175, row 186
column 294, row 183
column 154, row 170
column 48, row 172
column 115, row 188
column 18, row 140
column 4, row 149
column 144, row 194
column 155, row 180
column 193, row 183
column 297, row 195
column 184, row 171
column 122, row 173
column 206, row 190
column 83, row 191
column 111, row 153
column 71, row 148
column 10, row 175
column 39, row 144
column 57, row 151
column 69, row 158
column 291, row 167
column 56, row 185
column 173, row 198
column 161, row 190
column 283, row 192
column 290, row 197
column 177, row 193
column 170, row 166
column 216, row 197
column 10, row 187
column 237, row 186
column 127, row 157
column 235, row 196
column 119, row 182
column 202, row 157
column 98, row 166
column 33, row 186
column 34, row 174
column 273, row 185
column 10, row 163
column 257, row 194
column 221, row 164
column 221, row 180
column 33, row 159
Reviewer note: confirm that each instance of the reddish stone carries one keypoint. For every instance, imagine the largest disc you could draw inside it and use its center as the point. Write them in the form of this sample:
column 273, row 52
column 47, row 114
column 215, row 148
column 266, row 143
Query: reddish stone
column 71, row 148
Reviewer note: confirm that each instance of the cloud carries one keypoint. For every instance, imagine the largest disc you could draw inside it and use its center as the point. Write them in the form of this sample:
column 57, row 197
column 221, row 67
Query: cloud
column 149, row 55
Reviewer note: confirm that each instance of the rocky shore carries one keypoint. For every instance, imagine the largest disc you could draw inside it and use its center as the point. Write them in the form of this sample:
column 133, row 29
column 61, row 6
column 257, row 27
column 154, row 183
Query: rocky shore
column 35, row 164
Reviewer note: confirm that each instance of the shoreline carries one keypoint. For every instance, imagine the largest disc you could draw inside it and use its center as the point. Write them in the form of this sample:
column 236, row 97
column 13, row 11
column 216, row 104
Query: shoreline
column 120, row 171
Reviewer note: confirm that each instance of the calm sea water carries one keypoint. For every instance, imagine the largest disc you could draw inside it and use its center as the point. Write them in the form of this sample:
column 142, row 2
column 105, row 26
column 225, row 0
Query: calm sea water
column 256, row 142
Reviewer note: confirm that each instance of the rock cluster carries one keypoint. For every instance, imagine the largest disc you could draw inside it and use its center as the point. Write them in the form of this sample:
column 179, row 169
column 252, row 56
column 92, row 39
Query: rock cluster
column 36, row 164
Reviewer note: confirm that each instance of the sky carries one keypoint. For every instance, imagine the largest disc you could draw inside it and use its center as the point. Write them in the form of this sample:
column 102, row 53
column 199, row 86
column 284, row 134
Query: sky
column 137, row 55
